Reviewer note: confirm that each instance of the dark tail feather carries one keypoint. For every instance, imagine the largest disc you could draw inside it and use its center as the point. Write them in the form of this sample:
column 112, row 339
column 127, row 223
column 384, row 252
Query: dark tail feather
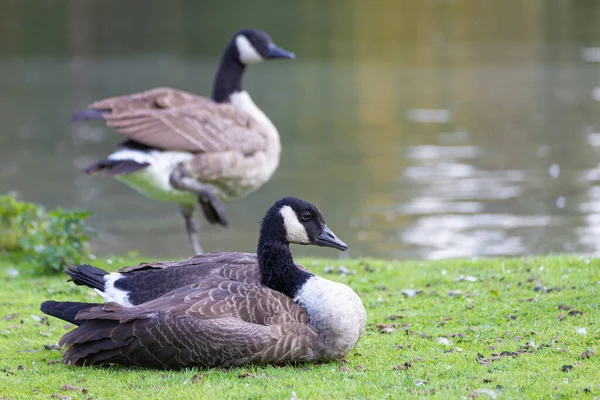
column 115, row 167
column 88, row 114
column 65, row 310
column 87, row 275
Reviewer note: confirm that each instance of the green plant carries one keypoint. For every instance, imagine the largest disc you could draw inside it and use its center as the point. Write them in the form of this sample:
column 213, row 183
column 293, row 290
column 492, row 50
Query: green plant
column 50, row 240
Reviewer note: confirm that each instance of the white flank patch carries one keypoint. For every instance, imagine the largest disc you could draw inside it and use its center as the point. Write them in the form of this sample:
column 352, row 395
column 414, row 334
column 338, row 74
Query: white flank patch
column 248, row 54
column 153, row 181
column 111, row 293
column 295, row 231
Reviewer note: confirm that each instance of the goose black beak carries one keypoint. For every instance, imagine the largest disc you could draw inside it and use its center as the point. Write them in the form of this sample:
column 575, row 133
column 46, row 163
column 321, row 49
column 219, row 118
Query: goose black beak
column 328, row 239
column 278, row 52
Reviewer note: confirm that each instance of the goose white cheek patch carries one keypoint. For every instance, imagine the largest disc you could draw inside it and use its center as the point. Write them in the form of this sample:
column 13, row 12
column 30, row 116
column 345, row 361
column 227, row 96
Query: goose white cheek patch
column 248, row 54
column 295, row 232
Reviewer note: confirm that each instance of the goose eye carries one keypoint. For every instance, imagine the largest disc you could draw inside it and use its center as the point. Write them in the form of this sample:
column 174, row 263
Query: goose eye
column 306, row 215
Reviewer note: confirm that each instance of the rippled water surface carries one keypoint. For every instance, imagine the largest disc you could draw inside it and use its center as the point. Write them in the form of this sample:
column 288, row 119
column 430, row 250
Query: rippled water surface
column 422, row 129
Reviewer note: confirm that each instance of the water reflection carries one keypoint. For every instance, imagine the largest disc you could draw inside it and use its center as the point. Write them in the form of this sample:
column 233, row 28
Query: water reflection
column 426, row 129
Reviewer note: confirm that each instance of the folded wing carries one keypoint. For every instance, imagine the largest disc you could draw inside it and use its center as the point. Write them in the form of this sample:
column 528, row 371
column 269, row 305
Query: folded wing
column 216, row 322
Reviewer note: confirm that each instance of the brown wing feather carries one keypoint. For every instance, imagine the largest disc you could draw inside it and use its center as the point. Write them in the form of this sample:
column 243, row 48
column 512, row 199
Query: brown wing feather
column 216, row 322
column 207, row 127
column 148, row 281
column 153, row 99
column 213, row 259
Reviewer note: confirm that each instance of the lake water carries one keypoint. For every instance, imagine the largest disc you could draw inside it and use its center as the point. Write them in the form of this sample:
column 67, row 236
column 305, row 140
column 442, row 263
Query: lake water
column 422, row 129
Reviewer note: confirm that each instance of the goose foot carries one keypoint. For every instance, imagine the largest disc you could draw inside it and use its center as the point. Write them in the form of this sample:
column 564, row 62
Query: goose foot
column 211, row 205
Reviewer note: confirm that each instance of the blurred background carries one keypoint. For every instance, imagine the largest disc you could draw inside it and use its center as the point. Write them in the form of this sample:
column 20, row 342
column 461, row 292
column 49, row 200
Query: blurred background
column 422, row 129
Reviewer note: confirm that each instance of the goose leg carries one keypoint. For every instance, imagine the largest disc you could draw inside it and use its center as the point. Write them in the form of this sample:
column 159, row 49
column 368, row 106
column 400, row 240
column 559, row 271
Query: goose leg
column 210, row 203
column 191, row 227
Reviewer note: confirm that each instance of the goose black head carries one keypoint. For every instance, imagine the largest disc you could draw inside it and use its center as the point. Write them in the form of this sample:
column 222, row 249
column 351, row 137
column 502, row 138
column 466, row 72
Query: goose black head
column 298, row 221
column 253, row 46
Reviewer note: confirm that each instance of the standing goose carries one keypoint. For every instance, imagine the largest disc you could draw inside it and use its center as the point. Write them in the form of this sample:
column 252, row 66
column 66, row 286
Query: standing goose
column 270, row 313
column 186, row 149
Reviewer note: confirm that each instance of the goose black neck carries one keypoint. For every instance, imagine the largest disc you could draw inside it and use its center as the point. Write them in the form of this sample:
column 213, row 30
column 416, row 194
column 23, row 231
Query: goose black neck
column 277, row 268
column 229, row 75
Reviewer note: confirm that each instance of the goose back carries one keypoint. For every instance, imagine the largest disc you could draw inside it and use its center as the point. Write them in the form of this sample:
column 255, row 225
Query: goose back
column 159, row 98
column 134, row 285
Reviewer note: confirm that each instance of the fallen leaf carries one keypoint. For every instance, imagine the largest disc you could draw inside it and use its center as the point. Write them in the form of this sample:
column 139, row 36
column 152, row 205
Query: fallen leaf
column 387, row 328
column 564, row 307
column 60, row 396
column 247, row 374
column 482, row 360
column 467, row 278
column 400, row 367
column 587, row 354
column 454, row 293
column 566, row 368
column 575, row 312
column 529, row 300
column 394, row 317
column 410, row 293
column 561, row 317
column 197, row 378
column 52, row 362
column 68, row 386
column 343, row 368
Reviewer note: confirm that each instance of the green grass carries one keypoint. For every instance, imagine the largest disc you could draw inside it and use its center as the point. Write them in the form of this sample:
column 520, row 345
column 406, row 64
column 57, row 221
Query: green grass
column 508, row 334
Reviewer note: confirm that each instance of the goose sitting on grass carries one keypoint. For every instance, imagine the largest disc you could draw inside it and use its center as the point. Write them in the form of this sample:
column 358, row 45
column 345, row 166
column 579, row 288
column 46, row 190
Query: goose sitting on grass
column 267, row 312
column 187, row 149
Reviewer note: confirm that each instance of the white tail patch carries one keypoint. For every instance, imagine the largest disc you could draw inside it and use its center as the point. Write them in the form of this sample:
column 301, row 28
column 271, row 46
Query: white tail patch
column 248, row 54
column 134, row 155
column 295, row 231
column 111, row 293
